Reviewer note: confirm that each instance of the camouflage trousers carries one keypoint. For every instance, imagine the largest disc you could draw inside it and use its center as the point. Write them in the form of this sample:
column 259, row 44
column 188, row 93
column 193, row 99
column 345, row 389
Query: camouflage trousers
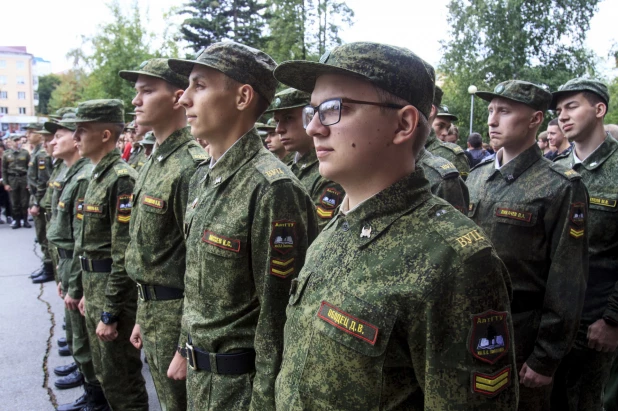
column 210, row 391
column 19, row 197
column 117, row 364
column 580, row 380
column 76, row 328
column 160, row 323
column 40, row 226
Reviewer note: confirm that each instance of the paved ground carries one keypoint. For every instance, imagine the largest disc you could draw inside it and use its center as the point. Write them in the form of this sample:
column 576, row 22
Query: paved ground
column 31, row 322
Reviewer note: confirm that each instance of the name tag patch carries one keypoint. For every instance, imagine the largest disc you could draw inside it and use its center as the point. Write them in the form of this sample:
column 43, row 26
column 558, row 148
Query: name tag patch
column 92, row 208
column 348, row 323
column 489, row 336
column 124, row 204
column 61, row 204
column 153, row 202
column 221, row 241
column 283, row 236
column 491, row 385
column 603, row 202
column 514, row 214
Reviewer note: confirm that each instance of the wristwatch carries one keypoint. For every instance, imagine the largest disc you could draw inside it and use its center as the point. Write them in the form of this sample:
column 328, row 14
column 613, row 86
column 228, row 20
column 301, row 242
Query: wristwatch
column 107, row 318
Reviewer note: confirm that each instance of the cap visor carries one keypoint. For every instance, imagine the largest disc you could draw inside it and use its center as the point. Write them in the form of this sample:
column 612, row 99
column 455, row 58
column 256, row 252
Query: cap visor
column 272, row 110
column 451, row 117
column 556, row 95
column 183, row 67
column 302, row 75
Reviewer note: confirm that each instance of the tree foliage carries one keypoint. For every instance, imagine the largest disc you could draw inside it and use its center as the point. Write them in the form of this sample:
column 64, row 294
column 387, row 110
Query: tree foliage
column 612, row 115
column 47, row 84
column 496, row 40
column 69, row 92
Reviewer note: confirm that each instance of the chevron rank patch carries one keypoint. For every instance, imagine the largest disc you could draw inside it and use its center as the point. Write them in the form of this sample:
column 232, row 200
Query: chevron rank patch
column 324, row 213
column 283, row 236
column 282, row 267
column 491, row 385
column 576, row 232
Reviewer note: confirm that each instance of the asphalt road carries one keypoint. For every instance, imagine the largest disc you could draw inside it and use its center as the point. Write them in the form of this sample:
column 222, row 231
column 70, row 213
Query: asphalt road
column 31, row 318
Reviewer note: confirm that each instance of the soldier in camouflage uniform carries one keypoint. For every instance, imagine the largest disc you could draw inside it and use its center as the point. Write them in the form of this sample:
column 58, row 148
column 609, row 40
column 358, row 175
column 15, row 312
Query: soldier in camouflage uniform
column 248, row 225
column 399, row 277
column 39, row 169
column 449, row 151
column 14, row 173
column 64, row 228
column 287, row 108
column 273, row 141
column 444, row 180
column 535, row 212
column 110, row 298
column 581, row 105
column 155, row 257
column 148, row 143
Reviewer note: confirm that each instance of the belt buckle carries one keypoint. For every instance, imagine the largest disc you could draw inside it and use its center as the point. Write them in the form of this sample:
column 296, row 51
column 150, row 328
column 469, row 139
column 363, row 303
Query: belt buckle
column 140, row 292
column 191, row 352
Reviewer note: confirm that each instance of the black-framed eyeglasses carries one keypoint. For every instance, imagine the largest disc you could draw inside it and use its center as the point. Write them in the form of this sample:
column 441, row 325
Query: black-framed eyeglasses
column 329, row 111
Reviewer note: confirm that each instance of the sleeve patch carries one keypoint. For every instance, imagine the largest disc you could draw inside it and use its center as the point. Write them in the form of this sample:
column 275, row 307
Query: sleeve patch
column 491, row 385
column 124, row 218
column 331, row 198
column 468, row 239
column 281, row 268
column 79, row 209
column 577, row 214
column 124, row 204
column 576, row 233
column 283, row 236
column 489, row 336
column 324, row 213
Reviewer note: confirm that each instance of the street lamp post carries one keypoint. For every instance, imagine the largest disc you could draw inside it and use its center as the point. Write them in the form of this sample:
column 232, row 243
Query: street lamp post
column 472, row 90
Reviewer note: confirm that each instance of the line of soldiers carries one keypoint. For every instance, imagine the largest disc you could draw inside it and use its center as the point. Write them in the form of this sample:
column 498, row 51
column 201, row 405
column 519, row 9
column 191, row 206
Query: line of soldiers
column 350, row 278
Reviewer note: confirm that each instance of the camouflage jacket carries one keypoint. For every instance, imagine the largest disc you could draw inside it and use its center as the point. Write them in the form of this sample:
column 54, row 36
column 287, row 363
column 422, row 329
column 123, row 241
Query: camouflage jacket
column 14, row 163
column 248, row 225
column 326, row 194
column 449, row 151
column 444, row 180
column 105, row 227
column 535, row 214
column 138, row 158
column 392, row 310
column 39, row 169
column 600, row 175
column 156, row 252
column 65, row 226
column 58, row 167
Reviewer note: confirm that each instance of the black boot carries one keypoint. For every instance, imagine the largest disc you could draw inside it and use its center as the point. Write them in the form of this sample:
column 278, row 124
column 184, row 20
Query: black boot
column 26, row 224
column 75, row 379
column 62, row 341
column 15, row 224
column 64, row 351
column 64, row 370
column 96, row 399
column 76, row 405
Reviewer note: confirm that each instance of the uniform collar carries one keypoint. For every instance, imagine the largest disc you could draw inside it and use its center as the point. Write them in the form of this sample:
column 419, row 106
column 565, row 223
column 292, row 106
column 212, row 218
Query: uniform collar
column 172, row 143
column 373, row 216
column 238, row 155
column 598, row 156
column 307, row 160
column 106, row 162
column 517, row 166
column 422, row 153
column 432, row 141
column 75, row 168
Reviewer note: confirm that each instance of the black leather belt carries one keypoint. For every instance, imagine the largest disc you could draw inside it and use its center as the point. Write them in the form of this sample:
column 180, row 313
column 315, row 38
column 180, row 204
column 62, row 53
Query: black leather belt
column 96, row 266
column 237, row 363
column 64, row 253
column 158, row 292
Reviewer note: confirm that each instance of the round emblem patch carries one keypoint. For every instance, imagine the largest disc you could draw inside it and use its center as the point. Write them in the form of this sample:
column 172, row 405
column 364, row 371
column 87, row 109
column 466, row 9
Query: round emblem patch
column 277, row 102
column 499, row 89
column 143, row 64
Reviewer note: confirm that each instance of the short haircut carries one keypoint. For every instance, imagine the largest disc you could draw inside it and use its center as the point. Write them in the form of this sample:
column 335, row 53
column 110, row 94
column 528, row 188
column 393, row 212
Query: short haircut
column 261, row 105
column 453, row 129
column 553, row 122
column 475, row 140
column 115, row 128
column 543, row 137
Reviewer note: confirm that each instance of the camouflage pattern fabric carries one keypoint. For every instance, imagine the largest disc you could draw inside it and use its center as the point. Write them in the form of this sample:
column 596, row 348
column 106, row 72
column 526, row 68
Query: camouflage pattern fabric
column 133, row 158
column 444, row 180
column 99, row 111
column 139, row 160
column 62, row 231
column 535, row 213
column 248, row 225
column 326, row 194
column 450, row 152
column 156, row 253
column 39, row 169
column 46, row 202
column 287, row 99
column 520, row 91
column 394, row 309
column 157, row 68
column 600, row 175
column 581, row 84
column 105, row 235
column 14, row 170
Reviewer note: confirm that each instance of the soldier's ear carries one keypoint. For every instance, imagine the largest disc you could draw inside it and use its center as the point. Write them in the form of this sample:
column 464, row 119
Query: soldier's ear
column 407, row 123
column 537, row 119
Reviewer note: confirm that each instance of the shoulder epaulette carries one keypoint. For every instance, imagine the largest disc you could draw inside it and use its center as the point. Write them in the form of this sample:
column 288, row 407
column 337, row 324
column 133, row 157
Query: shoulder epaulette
column 565, row 171
column 272, row 170
column 85, row 173
column 453, row 147
column 484, row 162
column 124, row 169
column 198, row 153
column 445, row 168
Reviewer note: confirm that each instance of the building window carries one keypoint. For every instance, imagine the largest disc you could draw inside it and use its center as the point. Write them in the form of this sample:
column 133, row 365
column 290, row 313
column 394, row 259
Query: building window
column 2, row 79
column 4, row 110
column 2, row 63
column 21, row 95
column 22, row 110
column 21, row 80
column 21, row 65
column 4, row 95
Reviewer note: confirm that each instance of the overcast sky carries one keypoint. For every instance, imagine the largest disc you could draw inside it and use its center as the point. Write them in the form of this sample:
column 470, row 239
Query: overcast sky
column 409, row 23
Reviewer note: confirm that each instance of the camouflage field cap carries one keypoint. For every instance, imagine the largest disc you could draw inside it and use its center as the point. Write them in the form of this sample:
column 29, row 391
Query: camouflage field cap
column 521, row 91
column 33, row 126
column 45, row 133
column 289, row 98
column 130, row 126
column 157, row 68
column 443, row 112
column 242, row 63
column 61, row 112
column 437, row 96
column 396, row 70
column 67, row 122
column 578, row 85
column 271, row 125
column 149, row 139
column 100, row 111
column 16, row 137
